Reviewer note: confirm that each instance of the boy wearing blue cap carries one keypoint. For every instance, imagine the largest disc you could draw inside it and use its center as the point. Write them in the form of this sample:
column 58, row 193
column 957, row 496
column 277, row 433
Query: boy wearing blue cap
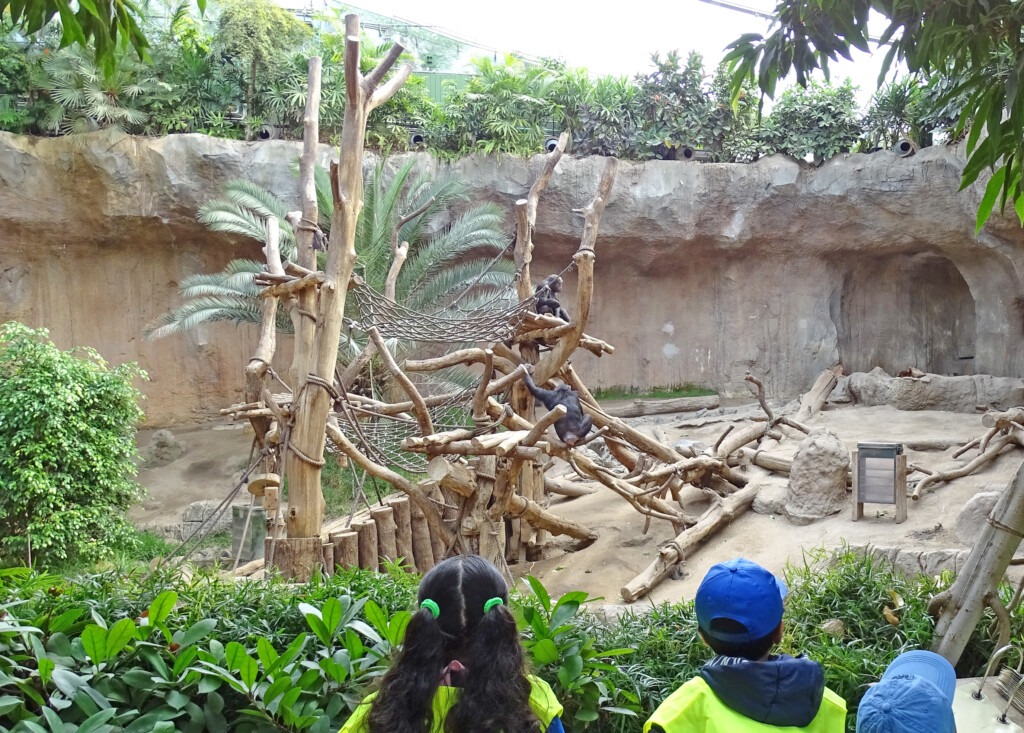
column 915, row 694
column 745, row 688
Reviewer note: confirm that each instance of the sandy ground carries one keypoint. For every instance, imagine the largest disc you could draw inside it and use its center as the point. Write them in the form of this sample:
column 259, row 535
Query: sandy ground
column 215, row 456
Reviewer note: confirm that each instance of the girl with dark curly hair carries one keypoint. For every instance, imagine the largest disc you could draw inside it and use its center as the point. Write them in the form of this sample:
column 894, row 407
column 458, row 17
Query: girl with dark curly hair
column 461, row 669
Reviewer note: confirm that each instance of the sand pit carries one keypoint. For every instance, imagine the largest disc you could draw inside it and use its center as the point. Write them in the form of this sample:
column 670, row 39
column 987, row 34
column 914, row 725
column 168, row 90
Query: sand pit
column 214, row 457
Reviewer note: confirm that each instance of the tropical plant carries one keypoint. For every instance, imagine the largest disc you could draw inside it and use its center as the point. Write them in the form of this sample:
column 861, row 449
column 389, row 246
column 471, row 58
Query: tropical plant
column 83, row 97
column 819, row 121
column 254, row 34
column 896, row 112
column 505, row 107
column 561, row 647
column 67, row 444
column 675, row 104
column 980, row 45
column 109, row 26
column 460, row 262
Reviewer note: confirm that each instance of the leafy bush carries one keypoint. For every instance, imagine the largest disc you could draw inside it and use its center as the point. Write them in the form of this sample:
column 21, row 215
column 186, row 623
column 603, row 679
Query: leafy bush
column 819, row 120
column 67, row 444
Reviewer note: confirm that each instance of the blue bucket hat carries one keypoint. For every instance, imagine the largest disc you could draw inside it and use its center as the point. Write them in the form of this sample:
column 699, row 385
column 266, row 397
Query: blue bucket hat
column 915, row 694
column 744, row 592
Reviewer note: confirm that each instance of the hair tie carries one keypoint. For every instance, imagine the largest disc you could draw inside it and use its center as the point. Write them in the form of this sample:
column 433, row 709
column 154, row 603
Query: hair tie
column 431, row 606
column 496, row 601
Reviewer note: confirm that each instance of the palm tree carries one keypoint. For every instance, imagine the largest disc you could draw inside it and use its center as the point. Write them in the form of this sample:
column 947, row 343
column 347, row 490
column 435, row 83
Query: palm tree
column 460, row 262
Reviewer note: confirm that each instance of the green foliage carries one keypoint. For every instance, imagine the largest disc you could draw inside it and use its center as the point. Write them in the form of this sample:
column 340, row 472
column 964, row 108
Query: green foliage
column 108, row 25
column 629, row 393
column 67, row 444
column 978, row 44
column 818, row 120
column 897, row 111
column 564, row 652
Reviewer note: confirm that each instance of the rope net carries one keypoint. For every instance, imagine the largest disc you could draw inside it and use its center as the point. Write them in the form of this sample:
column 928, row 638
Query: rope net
column 489, row 322
column 380, row 437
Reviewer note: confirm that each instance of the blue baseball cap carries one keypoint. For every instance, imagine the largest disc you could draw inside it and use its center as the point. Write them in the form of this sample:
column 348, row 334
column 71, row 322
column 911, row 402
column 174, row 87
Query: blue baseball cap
column 742, row 591
column 915, row 694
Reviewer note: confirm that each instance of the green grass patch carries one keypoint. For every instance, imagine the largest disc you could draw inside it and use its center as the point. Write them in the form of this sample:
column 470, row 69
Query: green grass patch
column 632, row 393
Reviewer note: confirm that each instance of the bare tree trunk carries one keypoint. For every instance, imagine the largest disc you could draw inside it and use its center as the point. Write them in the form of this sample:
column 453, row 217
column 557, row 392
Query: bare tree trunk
column 313, row 403
column 961, row 606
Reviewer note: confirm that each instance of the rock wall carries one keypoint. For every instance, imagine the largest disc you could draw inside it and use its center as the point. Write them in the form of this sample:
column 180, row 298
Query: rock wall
column 704, row 270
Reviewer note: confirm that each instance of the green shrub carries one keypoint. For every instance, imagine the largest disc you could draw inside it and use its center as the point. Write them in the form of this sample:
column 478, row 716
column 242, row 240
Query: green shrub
column 67, row 444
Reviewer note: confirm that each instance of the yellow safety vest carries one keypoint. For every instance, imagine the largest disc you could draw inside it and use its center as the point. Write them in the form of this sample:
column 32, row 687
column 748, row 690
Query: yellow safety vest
column 694, row 708
column 542, row 701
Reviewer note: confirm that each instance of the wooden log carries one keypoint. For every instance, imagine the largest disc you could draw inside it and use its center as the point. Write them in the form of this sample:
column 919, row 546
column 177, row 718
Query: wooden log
column 639, row 408
column 439, row 543
column 403, row 530
column 437, row 440
column 480, row 396
column 675, row 551
column 369, row 557
column 419, row 407
column 387, row 545
column 422, row 550
column 494, row 441
column 346, row 550
column 569, row 489
column 468, row 448
column 1003, row 420
column 293, row 286
column 464, row 356
column 328, row 550
column 271, row 499
column 765, row 460
column 457, row 477
column 244, row 571
column 1014, row 438
column 812, row 402
column 293, row 557
column 960, row 608
column 543, row 519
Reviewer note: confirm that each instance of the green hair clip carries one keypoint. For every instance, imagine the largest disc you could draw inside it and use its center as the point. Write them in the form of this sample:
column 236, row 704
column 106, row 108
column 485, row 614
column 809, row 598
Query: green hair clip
column 431, row 606
column 492, row 603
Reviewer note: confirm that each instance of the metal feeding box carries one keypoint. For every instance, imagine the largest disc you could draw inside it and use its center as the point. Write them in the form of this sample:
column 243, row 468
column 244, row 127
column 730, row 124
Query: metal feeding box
column 880, row 477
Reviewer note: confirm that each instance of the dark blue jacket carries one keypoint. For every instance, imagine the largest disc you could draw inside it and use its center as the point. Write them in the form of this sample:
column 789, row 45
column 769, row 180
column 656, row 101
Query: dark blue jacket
column 780, row 690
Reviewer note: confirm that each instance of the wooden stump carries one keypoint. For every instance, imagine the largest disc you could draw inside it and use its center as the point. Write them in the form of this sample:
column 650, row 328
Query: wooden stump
column 422, row 550
column 403, row 530
column 387, row 547
column 328, row 551
column 292, row 557
column 367, row 532
column 346, row 550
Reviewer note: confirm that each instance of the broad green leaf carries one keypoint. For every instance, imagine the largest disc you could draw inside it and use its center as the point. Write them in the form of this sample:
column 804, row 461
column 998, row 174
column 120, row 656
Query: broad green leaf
column 240, row 661
column 94, row 641
column 118, row 636
column 95, row 723
column 540, row 591
column 267, row 654
column 331, row 614
column 53, row 721
column 46, row 667
column 570, row 669
column 198, row 631
column 988, row 201
column 9, row 703
column 162, row 606
column 376, row 616
column 545, row 652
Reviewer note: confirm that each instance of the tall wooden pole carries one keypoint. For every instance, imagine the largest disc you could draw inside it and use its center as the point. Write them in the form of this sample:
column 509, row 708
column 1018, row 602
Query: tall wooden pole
column 313, row 401
column 961, row 607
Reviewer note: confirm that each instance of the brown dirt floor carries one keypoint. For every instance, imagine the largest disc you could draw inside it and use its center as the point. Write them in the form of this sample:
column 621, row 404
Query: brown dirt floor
column 216, row 454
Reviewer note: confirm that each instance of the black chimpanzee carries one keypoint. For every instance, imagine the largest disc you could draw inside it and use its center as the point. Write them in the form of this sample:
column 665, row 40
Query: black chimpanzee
column 574, row 425
column 547, row 298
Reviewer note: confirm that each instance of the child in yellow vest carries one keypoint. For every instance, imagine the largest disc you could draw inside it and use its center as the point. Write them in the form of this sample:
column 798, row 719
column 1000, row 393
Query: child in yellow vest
column 461, row 668
column 745, row 688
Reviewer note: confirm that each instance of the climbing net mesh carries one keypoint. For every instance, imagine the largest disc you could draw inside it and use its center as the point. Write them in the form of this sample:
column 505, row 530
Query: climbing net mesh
column 380, row 436
column 452, row 325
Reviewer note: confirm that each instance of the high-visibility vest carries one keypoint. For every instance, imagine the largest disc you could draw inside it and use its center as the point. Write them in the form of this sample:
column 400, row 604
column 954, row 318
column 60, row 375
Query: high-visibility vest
column 695, row 708
column 542, row 701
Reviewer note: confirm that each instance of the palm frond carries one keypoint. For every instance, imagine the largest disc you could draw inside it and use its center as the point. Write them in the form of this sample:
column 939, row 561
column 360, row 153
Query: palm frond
column 199, row 311
column 454, row 282
column 478, row 230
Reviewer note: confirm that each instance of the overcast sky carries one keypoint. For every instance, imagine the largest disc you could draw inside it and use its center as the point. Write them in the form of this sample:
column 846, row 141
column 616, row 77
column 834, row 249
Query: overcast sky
column 618, row 39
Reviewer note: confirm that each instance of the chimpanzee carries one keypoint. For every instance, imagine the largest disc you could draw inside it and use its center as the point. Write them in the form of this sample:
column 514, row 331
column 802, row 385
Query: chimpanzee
column 547, row 298
column 574, row 425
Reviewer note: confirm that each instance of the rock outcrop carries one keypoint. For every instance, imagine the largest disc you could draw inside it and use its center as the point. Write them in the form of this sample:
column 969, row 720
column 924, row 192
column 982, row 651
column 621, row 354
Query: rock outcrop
column 817, row 479
column 704, row 270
